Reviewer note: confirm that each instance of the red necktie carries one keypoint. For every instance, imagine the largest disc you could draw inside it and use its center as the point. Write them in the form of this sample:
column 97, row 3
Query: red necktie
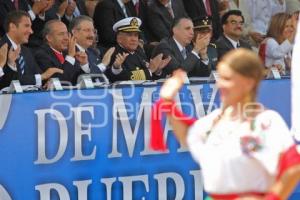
column 60, row 57
column 208, row 9
column 16, row 3
column 137, row 8
column 170, row 10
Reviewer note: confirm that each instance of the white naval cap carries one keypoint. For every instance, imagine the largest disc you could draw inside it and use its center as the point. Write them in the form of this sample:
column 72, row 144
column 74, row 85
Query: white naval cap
column 129, row 24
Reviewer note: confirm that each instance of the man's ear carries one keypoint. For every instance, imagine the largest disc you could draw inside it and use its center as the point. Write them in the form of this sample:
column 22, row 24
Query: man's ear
column 48, row 38
column 11, row 26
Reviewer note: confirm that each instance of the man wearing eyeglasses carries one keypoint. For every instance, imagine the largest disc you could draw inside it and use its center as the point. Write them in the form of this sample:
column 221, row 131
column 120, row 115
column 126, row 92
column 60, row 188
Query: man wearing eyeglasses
column 88, row 57
column 232, row 23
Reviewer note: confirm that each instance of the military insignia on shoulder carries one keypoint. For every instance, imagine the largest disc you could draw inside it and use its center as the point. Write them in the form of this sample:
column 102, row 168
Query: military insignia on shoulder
column 138, row 74
column 213, row 45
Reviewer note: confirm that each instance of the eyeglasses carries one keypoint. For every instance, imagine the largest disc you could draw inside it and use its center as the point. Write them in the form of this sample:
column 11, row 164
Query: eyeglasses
column 234, row 22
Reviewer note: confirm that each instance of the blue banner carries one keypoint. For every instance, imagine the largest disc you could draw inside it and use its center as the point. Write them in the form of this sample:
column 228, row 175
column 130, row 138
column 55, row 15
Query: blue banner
column 93, row 144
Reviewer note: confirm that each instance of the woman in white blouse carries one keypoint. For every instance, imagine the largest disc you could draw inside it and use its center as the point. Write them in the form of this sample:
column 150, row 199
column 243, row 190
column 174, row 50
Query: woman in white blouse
column 238, row 145
column 276, row 49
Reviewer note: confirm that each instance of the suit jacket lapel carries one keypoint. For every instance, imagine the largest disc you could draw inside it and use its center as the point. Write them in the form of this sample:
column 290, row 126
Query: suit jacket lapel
column 52, row 55
column 176, row 50
column 227, row 42
column 120, row 10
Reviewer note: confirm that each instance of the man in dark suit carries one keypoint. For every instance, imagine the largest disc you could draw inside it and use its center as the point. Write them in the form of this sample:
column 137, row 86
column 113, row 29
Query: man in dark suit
column 39, row 12
column 195, row 60
column 89, row 58
column 107, row 13
column 21, row 64
column 129, row 59
column 74, row 9
column 200, row 8
column 160, row 16
column 58, row 51
column 232, row 22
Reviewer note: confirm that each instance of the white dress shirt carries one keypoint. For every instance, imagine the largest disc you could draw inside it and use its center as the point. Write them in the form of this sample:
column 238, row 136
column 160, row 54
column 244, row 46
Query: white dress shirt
column 226, row 167
column 38, row 77
column 275, row 53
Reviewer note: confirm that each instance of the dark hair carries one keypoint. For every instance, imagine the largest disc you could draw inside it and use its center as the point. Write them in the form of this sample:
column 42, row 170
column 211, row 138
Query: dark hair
column 176, row 21
column 48, row 27
column 75, row 23
column 15, row 18
column 229, row 13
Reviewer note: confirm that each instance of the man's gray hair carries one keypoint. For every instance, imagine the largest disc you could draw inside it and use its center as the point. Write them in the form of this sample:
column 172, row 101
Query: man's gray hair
column 75, row 23
column 48, row 27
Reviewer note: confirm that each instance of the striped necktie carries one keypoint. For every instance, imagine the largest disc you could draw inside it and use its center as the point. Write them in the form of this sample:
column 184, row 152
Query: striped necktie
column 21, row 63
column 208, row 8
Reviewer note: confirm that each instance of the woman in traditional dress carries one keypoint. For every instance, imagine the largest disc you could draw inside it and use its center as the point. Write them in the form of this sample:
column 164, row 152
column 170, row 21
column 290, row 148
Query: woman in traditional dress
column 239, row 145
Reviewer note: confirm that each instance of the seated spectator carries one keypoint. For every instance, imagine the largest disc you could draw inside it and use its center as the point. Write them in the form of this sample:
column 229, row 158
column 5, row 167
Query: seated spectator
column 206, row 51
column 58, row 51
column 21, row 64
column 160, row 16
column 107, row 13
column 89, row 58
column 74, row 9
column 197, row 60
column 129, row 61
column 39, row 11
column 276, row 49
column 232, row 23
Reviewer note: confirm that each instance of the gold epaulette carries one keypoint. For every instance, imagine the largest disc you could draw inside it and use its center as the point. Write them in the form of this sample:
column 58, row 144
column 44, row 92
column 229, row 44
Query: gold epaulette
column 213, row 45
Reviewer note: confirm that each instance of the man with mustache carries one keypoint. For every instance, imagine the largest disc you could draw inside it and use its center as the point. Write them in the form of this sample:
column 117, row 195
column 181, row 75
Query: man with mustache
column 89, row 58
column 21, row 64
column 58, row 51
column 232, row 23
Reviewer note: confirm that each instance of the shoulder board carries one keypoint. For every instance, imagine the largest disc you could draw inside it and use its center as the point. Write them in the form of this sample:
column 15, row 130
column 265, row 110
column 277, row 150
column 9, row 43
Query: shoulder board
column 213, row 45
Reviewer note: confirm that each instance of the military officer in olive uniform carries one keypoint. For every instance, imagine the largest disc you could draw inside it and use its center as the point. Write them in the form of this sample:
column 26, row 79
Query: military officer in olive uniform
column 130, row 60
column 205, row 51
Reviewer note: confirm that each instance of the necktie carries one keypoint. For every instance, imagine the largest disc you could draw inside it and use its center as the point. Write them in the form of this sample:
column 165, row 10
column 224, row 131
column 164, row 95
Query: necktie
column 21, row 63
column 183, row 53
column 208, row 9
column 124, row 10
column 137, row 8
column 60, row 57
column 170, row 10
column 16, row 3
